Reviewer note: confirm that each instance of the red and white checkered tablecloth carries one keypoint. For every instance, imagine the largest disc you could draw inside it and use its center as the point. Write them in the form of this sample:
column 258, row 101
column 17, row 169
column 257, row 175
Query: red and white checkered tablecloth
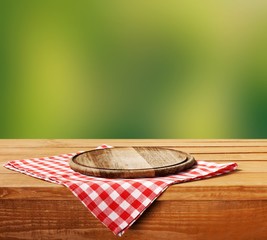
column 117, row 203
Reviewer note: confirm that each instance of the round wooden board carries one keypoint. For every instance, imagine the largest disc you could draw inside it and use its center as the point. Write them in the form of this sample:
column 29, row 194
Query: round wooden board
column 131, row 162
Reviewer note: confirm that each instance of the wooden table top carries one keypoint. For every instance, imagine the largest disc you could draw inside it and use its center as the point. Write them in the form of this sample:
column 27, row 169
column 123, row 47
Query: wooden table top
column 248, row 183
column 250, row 155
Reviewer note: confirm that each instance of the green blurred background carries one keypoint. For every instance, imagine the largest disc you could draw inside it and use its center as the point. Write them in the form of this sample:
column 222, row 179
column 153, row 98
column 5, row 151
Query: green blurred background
column 133, row 69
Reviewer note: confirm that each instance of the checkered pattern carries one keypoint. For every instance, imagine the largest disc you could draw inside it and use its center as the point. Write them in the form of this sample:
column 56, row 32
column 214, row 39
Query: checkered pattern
column 117, row 203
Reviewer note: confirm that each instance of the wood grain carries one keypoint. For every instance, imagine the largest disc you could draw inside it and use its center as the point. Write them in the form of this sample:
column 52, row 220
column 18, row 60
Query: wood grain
column 233, row 206
column 92, row 143
column 209, row 189
column 131, row 162
column 166, row 220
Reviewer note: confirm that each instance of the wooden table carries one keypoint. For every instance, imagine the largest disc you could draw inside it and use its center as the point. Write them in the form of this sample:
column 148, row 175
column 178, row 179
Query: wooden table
column 232, row 206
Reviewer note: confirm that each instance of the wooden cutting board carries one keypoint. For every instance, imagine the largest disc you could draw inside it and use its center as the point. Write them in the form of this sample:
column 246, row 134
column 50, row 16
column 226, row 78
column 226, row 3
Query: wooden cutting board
column 131, row 162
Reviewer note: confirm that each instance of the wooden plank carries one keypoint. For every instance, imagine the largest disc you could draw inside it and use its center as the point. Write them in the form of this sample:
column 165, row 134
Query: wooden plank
column 244, row 165
column 19, row 153
column 168, row 220
column 256, row 160
column 250, row 166
column 48, row 220
column 85, row 143
column 173, row 193
column 36, row 193
column 222, row 150
column 239, row 178
column 22, row 180
column 233, row 186
column 230, row 157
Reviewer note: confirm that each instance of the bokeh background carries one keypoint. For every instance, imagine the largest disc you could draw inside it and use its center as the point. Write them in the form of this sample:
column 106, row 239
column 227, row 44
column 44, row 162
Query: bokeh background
column 133, row 69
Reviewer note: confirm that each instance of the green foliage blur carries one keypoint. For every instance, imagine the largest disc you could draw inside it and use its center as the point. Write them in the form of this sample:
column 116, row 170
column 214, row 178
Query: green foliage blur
column 133, row 69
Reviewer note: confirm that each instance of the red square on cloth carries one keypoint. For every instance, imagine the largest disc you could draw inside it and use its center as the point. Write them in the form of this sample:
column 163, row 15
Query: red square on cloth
column 117, row 203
